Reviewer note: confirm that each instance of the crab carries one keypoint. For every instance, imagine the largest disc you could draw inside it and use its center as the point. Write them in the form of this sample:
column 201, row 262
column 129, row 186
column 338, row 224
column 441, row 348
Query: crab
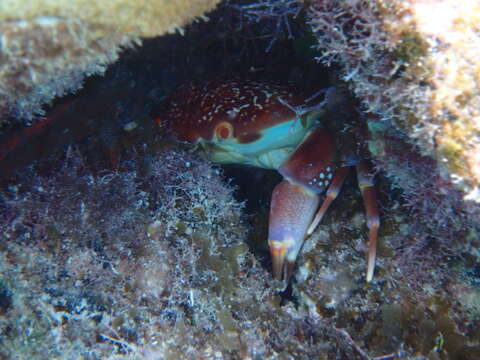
column 277, row 126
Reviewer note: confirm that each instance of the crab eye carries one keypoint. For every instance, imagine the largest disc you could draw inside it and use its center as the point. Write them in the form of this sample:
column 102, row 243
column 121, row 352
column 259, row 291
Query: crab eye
column 224, row 130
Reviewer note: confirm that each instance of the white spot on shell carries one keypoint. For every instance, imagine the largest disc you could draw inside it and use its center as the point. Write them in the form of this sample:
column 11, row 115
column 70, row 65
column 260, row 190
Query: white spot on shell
column 130, row 126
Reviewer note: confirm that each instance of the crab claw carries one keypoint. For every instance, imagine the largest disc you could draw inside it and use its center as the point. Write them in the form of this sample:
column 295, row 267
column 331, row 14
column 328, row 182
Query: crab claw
column 291, row 212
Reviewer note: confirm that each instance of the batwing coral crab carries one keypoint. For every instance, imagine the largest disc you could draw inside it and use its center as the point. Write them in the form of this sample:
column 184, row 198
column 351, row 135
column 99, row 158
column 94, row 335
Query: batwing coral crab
column 278, row 127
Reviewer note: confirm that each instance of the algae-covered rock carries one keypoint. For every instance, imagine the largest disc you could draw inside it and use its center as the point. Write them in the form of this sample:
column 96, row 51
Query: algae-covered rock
column 49, row 46
column 144, row 18
column 412, row 309
column 415, row 65
column 108, row 271
column 147, row 262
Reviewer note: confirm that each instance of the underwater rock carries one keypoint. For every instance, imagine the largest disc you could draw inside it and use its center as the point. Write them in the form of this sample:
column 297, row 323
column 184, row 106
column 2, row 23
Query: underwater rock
column 144, row 260
column 48, row 47
column 409, row 311
column 148, row 261
column 417, row 78
column 417, row 72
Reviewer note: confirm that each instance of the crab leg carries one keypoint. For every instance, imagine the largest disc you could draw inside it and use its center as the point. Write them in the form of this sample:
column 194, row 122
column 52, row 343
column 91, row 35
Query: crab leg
column 331, row 195
column 367, row 186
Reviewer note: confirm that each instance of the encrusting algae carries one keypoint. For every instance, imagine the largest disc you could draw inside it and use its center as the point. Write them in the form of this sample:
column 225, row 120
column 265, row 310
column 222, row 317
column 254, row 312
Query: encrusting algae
column 49, row 46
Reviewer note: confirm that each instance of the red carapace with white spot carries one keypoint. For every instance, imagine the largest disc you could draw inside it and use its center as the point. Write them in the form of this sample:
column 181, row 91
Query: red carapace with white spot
column 278, row 127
